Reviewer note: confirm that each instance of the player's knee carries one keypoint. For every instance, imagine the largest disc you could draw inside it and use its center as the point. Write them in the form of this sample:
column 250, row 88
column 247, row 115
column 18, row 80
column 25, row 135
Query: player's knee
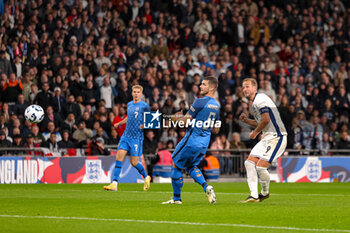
column 263, row 173
column 134, row 163
column 176, row 173
column 189, row 170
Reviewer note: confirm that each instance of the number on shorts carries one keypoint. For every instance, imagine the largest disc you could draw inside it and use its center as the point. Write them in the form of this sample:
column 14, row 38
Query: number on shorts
column 267, row 149
column 135, row 147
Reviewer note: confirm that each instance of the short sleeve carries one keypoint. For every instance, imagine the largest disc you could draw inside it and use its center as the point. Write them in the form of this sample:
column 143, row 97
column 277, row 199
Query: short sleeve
column 195, row 108
column 264, row 110
column 147, row 108
column 262, row 105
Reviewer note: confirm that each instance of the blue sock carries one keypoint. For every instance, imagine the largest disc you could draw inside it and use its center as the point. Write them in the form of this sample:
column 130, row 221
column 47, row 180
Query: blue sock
column 141, row 170
column 197, row 175
column 177, row 182
column 117, row 170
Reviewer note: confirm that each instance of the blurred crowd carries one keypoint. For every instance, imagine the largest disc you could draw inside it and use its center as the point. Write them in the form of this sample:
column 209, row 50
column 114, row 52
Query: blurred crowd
column 79, row 58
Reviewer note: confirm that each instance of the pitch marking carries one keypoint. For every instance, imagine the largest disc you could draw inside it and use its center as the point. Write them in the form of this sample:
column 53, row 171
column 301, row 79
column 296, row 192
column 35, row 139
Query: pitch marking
column 176, row 223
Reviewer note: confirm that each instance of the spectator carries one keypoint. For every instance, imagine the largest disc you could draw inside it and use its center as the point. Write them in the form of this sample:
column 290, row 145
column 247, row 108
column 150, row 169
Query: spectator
column 52, row 116
column 302, row 56
column 159, row 49
column 51, row 144
column 312, row 134
column 121, row 116
column 80, row 68
column 51, row 129
column 107, row 93
column 17, row 142
column 114, row 138
column 89, row 94
column 170, row 134
column 220, row 143
column 149, row 143
column 251, row 8
column 5, row 64
column 12, row 89
column 101, row 59
column 4, row 142
column 89, row 122
column 236, row 142
column 18, row 67
column 328, row 110
column 70, row 123
column 33, row 93
column 265, row 88
column 203, row 25
column 344, row 142
column 58, row 101
column 325, row 144
column 72, row 107
column 82, row 134
column 44, row 96
column 26, row 83
column 36, row 135
column 260, row 33
column 20, row 106
column 65, row 142
column 6, row 131
column 99, row 132
column 30, row 144
column 96, row 147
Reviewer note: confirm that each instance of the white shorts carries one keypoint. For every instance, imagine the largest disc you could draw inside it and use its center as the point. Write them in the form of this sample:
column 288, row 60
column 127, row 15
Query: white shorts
column 270, row 149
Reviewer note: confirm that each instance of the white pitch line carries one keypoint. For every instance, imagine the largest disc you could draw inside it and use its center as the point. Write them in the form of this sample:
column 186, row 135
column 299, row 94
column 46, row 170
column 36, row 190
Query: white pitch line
column 177, row 223
column 272, row 194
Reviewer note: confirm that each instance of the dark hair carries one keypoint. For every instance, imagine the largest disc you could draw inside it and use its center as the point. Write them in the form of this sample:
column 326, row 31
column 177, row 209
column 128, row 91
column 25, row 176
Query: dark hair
column 212, row 81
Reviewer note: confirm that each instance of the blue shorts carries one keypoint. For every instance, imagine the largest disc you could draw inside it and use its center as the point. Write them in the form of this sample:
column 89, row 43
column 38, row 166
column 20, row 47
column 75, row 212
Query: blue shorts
column 187, row 156
column 134, row 146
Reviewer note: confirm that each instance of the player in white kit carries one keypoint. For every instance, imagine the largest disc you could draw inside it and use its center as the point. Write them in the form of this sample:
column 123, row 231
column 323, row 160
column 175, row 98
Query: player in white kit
column 272, row 144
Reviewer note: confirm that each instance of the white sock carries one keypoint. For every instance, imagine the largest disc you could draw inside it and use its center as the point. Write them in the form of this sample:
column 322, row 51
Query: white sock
column 264, row 177
column 252, row 178
column 115, row 182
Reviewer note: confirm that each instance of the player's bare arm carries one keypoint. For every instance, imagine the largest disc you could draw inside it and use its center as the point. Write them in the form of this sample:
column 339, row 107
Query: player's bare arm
column 244, row 118
column 265, row 119
column 120, row 122
column 180, row 117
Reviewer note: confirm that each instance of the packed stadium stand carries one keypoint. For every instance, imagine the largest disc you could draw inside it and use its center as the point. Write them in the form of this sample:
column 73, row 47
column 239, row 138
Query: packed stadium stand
column 78, row 60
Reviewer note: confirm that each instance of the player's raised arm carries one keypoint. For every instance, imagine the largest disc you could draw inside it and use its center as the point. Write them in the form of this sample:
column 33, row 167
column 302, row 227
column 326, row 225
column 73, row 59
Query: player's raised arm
column 121, row 122
column 244, row 118
column 179, row 117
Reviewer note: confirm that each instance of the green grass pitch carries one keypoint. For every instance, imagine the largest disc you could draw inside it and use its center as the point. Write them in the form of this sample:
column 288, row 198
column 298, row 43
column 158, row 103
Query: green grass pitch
column 300, row 207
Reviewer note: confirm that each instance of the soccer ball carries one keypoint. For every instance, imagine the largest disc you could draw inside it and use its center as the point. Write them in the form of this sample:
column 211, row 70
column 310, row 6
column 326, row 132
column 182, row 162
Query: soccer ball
column 34, row 113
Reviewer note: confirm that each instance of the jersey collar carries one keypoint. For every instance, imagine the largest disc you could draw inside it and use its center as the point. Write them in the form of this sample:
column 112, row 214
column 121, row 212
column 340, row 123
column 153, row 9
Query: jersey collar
column 254, row 97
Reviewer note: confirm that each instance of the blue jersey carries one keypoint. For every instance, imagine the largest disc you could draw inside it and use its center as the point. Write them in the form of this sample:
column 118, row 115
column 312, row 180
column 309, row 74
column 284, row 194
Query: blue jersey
column 203, row 109
column 135, row 119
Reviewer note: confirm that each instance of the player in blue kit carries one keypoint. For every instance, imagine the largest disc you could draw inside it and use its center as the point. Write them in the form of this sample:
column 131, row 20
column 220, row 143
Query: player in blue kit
column 202, row 116
column 132, row 139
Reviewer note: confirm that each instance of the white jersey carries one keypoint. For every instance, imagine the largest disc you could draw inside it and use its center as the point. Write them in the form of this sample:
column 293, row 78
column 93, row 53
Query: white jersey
column 275, row 128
